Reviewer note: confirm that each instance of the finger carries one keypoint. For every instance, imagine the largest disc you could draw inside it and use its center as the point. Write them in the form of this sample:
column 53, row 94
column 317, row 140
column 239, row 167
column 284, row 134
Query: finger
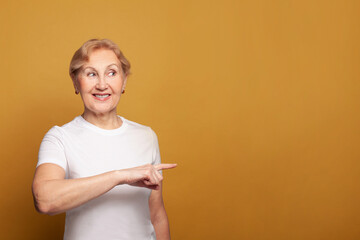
column 151, row 179
column 165, row 166
column 155, row 177
column 148, row 183
column 153, row 187
column 159, row 176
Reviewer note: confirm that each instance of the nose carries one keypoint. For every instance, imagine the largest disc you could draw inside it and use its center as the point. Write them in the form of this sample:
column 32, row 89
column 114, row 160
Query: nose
column 101, row 83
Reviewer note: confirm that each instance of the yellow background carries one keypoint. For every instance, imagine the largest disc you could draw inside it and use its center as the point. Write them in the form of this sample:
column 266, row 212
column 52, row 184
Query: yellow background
column 257, row 101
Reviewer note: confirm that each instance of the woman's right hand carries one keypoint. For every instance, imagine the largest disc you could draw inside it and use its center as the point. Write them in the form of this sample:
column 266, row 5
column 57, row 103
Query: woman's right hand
column 145, row 176
column 54, row 194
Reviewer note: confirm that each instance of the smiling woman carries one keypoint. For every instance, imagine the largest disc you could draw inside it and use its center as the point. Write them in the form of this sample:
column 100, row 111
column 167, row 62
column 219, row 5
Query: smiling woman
column 99, row 71
column 103, row 170
column 100, row 83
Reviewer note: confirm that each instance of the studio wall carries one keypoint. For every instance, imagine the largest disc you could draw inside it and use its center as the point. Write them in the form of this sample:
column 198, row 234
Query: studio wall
column 257, row 101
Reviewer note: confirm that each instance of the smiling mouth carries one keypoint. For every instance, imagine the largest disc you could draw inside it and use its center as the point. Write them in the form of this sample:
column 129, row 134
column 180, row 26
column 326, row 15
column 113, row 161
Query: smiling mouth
column 102, row 97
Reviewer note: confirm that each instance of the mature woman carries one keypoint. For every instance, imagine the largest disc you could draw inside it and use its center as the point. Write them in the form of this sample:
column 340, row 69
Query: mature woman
column 103, row 170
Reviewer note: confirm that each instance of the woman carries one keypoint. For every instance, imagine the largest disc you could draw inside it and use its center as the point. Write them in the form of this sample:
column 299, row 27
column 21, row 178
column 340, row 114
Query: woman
column 103, row 170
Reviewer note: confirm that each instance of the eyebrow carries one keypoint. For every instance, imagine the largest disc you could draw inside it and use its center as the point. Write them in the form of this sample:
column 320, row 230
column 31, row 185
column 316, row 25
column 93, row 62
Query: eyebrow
column 89, row 67
column 113, row 64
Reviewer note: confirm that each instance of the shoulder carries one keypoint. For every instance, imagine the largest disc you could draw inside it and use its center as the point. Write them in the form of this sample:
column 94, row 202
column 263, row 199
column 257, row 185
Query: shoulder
column 58, row 131
column 135, row 125
column 55, row 132
column 131, row 125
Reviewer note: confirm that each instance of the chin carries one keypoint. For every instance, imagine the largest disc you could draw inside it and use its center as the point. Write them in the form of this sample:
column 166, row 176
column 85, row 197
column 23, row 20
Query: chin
column 105, row 110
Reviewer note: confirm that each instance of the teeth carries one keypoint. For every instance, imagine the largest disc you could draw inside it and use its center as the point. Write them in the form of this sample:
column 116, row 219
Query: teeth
column 102, row 96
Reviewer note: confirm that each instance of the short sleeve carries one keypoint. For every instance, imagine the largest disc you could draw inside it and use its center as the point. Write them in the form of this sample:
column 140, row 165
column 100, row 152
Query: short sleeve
column 52, row 149
column 156, row 151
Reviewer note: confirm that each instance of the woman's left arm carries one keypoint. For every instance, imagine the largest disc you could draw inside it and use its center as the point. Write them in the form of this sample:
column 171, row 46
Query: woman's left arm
column 158, row 215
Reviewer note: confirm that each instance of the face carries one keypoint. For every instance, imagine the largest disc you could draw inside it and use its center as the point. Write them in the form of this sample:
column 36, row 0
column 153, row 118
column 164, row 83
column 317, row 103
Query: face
column 100, row 82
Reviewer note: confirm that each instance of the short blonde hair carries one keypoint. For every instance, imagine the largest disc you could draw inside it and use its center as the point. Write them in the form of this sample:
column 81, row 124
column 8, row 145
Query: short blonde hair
column 81, row 56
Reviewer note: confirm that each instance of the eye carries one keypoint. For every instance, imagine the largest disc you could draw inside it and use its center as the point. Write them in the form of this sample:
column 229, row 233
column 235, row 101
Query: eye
column 112, row 73
column 91, row 74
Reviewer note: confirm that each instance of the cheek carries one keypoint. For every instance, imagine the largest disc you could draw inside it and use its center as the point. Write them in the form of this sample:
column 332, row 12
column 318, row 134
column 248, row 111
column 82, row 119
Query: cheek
column 80, row 83
column 86, row 86
column 117, row 87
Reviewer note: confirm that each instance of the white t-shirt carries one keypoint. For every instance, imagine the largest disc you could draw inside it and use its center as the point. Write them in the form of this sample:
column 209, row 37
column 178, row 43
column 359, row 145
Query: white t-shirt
column 83, row 149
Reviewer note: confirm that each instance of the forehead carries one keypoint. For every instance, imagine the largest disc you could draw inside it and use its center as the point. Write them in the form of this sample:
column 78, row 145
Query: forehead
column 102, row 58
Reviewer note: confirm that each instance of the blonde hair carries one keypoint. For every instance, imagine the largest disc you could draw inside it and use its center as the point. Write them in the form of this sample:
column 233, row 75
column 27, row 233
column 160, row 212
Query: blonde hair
column 81, row 56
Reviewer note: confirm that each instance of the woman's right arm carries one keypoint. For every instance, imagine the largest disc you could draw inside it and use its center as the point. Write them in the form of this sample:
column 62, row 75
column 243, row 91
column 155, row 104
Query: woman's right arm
column 54, row 194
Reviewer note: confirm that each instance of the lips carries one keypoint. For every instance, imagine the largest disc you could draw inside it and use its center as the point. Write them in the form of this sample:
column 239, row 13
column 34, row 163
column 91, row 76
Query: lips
column 102, row 96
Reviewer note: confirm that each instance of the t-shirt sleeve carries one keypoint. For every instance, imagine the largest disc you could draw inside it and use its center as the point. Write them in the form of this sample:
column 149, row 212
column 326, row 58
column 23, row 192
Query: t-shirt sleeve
column 156, row 151
column 52, row 149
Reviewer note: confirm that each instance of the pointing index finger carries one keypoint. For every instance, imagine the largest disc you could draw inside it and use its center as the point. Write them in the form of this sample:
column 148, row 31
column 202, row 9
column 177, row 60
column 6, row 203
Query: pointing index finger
column 165, row 166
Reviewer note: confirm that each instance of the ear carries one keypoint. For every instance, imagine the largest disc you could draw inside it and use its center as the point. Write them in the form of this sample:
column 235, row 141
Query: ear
column 73, row 78
column 124, row 82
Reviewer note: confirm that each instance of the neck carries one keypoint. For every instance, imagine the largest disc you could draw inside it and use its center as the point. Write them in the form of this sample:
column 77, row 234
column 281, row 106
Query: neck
column 102, row 120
